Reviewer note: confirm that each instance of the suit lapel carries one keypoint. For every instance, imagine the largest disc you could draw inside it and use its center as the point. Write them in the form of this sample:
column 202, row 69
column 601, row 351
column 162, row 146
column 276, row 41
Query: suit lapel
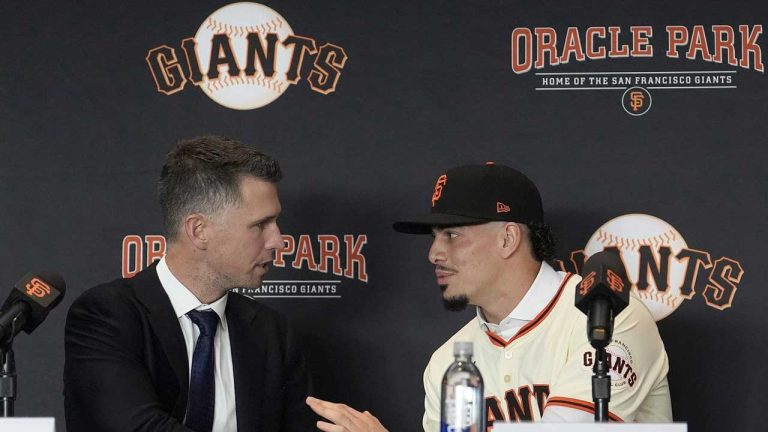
column 248, row 350
column 149, row 291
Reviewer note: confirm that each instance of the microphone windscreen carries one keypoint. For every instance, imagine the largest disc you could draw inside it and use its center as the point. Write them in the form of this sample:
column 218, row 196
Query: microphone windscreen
column 604, row 275
column 42, row 291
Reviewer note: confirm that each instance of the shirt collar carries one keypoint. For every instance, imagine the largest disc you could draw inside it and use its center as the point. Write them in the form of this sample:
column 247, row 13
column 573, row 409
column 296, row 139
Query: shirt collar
column 542, row 290
column 182, row 298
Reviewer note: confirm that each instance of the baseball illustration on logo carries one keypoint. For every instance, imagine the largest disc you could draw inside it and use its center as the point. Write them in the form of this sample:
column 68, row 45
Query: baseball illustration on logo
column 648, row 247
column 620, row 364
column 242, row 91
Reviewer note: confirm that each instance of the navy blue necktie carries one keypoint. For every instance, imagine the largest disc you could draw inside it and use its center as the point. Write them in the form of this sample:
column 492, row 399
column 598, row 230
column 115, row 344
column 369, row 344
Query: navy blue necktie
column 202, row 394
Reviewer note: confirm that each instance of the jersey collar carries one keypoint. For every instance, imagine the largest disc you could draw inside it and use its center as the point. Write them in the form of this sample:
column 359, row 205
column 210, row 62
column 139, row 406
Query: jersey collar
column 542, row 290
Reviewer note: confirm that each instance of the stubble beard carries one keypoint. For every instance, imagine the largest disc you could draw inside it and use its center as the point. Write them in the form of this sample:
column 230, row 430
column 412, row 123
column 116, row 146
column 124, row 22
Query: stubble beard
column 227, row 283
column 455, row 303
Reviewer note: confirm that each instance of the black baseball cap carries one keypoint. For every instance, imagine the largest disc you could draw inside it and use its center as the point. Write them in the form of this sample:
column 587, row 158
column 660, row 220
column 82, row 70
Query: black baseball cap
column 475, row 194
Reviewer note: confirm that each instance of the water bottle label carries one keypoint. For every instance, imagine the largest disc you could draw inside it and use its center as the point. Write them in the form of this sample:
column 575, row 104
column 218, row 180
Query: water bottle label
column 461, row 409
column 447, row 428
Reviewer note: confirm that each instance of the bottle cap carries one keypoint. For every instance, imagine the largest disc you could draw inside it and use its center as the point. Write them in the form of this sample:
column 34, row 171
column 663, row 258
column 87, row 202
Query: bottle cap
column 462, row 348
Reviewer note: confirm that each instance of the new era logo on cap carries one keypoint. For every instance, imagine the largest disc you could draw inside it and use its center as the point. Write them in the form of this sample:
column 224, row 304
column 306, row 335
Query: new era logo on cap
column 477, row 194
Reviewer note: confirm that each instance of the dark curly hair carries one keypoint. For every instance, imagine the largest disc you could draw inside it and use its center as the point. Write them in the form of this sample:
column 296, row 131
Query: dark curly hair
column 543, row 241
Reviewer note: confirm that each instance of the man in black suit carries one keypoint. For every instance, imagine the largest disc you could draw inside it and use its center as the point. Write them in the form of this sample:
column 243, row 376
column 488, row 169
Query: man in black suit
column 172, row 349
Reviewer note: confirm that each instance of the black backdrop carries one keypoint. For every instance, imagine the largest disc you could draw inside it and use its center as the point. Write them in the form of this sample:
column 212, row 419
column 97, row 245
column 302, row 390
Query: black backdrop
column 427, row 85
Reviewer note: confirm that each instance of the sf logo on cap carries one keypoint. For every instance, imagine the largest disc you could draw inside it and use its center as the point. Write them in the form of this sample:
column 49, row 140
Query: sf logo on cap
column 439, row 188
column 38, row 288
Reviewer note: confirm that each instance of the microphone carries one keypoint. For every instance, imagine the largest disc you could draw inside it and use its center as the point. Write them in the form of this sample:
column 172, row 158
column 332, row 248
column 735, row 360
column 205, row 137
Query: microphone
column 602, row 294
column 29, row 302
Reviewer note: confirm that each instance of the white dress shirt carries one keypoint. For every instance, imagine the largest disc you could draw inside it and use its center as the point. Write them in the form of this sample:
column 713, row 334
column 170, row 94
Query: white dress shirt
column 543, row 289
column 183, row 301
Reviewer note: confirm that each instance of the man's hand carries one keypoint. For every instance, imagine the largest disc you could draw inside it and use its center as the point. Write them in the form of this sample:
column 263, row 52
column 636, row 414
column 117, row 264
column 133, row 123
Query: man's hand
column 344, row 418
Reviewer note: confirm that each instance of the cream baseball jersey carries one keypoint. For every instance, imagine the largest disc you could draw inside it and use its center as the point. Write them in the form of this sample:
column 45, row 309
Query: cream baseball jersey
column 548, row 363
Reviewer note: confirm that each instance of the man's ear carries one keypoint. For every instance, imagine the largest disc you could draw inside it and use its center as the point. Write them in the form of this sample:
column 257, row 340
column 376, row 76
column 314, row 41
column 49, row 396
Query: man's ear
column 512, row 239
column 197, row 230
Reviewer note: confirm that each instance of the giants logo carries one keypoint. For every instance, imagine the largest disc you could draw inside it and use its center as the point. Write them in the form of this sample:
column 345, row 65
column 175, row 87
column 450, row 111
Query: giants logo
column 244, row 56
column 38, row 288
column 439, row 188
column 636, row 101
column 348, row 261
column 587, row 283
column 615, row 282
column 662, row 270
column 619, row 362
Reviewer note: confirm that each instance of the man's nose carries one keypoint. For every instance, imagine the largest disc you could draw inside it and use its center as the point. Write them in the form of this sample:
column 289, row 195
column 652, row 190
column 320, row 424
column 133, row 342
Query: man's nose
column 436, row 252
column 275, row 239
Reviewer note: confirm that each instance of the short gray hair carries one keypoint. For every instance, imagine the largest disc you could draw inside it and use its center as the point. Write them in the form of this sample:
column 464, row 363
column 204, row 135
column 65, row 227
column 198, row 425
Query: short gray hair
column 202, row 175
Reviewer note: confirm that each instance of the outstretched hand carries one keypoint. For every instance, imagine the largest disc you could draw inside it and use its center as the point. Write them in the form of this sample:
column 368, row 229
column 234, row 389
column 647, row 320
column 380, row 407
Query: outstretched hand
column 343, row 418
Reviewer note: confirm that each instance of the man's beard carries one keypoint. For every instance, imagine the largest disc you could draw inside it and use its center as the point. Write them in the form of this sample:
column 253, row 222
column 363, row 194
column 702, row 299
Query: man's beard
column 228, row 282
column 454, row 304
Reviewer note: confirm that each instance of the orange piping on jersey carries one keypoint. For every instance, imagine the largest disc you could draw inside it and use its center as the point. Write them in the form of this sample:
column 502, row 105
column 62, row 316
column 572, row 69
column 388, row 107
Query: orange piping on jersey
column 498, row 341
column 579, row 405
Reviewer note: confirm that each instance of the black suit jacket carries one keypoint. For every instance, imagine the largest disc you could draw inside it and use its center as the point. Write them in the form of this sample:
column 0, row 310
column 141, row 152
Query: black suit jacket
column 126, row 366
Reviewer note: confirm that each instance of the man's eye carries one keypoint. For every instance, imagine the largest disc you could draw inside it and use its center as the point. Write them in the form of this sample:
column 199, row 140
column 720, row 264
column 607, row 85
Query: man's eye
column 451, row 235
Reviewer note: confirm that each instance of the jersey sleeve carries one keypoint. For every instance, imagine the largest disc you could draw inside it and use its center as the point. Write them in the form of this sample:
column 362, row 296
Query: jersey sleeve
column 637, row 365
column 561, row 414
column 431, row 420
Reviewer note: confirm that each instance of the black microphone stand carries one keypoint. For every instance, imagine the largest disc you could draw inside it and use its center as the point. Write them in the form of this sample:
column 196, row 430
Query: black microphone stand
column 600, row 332
column 601, row 386
column 8, row 372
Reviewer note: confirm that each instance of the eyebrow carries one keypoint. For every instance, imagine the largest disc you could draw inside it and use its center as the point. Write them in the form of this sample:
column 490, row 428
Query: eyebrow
column 265, row 219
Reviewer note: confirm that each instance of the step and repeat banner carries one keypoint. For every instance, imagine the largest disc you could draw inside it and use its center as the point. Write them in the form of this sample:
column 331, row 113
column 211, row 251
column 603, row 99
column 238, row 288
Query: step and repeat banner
column 642, row 123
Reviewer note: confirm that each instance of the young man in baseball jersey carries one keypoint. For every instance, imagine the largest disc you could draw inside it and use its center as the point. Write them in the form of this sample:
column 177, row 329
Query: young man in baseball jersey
column 490, row 249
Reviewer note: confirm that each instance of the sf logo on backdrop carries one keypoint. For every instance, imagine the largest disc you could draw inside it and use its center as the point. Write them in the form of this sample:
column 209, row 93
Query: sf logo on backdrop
column 663, row 269
column 244, row 56
column 636, row 101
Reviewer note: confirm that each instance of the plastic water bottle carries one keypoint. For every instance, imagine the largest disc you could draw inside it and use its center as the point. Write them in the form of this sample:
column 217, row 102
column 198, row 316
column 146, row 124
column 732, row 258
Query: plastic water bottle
column 462, row 401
